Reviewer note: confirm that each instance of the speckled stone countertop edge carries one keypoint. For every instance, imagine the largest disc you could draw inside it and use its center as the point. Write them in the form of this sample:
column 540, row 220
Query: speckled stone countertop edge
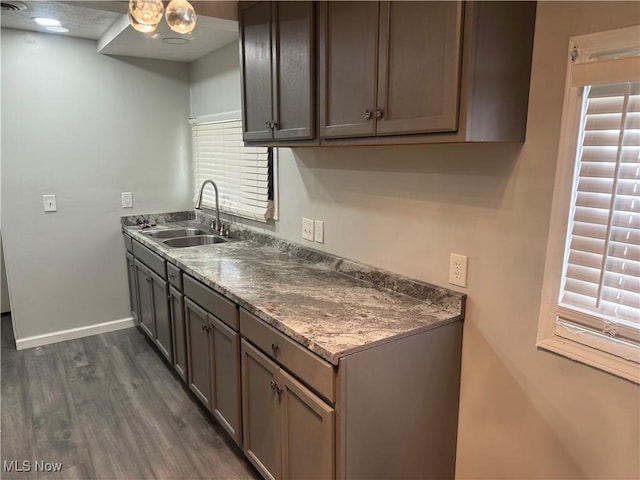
column 324, row 260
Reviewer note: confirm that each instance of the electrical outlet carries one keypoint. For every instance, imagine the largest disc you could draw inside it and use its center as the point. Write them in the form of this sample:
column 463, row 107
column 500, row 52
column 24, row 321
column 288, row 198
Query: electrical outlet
column 49, row 203
column 307, row 229
column 458, row 270
column 318, row 234
column 127, row 200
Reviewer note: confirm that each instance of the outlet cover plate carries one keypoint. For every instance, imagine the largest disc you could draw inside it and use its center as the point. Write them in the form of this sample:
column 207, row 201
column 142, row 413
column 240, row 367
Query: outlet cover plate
column 458, row 270
column 127, row 200
column 307, row 229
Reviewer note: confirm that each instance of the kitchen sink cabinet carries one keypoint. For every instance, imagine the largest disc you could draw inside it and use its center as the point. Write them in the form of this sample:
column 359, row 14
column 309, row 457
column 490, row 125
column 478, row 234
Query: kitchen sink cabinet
column 176, row 310
column 133, row 286
column 213, row 351
column 277, row 51
column 288, row 430
column 145, row 299
column 198, row 348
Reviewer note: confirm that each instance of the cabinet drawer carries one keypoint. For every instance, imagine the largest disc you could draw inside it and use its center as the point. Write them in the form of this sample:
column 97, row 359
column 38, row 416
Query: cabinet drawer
column 152, row 260
column 174, row 274
column 128, row 243
column 307, row 366
column 211, row 301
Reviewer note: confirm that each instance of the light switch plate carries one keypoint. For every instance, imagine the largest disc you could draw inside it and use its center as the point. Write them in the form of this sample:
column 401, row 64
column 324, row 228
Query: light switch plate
column 307, row 229
column 49, row 203
column 127, row 200
column 318, row 232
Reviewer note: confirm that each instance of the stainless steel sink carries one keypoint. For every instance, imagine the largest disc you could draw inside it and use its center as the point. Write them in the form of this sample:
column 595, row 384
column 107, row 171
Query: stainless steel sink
column 194, row 240
column 177, row 232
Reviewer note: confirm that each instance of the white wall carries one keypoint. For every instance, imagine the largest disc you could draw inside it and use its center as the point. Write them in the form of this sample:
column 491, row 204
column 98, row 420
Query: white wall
column 84, row 127
column 214, row 81
column 524, row 413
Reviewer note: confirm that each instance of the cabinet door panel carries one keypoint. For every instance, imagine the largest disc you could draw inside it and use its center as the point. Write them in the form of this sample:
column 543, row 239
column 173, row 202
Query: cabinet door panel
column 225, row 394
column 133, row 287
column 163, row 338
column 419, row 68
column 260, row 412
column 198, row 345
column 145, row 299
column 307, row 432
column 294, row 97
column 176, row 306
column 348, row 63
column 256, row 50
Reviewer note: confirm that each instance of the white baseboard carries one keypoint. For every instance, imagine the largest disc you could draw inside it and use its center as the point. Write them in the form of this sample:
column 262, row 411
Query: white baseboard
column 73, row 333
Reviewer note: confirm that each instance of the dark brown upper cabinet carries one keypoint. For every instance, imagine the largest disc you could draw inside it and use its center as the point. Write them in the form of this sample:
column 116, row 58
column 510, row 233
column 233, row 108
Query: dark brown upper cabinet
column 423, row 72
column 389, row 68
column 277, row 62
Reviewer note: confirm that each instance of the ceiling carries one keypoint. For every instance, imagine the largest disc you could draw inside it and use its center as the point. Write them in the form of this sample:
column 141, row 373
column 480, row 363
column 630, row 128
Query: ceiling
column 107, row 23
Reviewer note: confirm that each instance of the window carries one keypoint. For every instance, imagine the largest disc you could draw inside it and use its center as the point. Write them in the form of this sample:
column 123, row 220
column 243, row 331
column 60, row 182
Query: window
column 244, row 175
column 590, row 307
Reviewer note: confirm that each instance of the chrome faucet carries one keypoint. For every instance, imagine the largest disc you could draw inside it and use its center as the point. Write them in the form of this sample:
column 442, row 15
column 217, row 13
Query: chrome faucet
column 198, row 204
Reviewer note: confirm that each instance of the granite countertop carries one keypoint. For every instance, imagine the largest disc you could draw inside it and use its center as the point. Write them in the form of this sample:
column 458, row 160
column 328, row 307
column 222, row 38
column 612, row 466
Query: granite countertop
column 332, row 306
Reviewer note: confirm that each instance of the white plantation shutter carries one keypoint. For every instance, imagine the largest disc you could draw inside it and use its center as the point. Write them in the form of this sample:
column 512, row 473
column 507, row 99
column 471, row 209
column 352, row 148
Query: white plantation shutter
column 243, row 174
column 601, row 281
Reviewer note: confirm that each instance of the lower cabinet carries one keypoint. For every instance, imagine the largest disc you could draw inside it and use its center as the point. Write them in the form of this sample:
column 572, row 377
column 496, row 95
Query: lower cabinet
column 176, row 309
column 133, row 286
column 145, row 299
column 213, row 351
column 154, row 316
column 288, row 430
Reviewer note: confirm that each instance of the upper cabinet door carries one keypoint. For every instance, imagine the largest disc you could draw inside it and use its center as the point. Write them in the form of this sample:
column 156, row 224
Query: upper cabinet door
column 256, row 37
column 348, row 65
column 294, row 95
column 419, row 67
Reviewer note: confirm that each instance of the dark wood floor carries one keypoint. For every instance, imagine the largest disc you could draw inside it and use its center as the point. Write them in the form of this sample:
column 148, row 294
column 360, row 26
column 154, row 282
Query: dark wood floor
column 107, row 407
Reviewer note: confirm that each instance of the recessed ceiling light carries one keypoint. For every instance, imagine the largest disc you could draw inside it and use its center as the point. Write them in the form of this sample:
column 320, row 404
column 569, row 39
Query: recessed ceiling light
column 175, row 40
column 58, row 29
column 46, row 22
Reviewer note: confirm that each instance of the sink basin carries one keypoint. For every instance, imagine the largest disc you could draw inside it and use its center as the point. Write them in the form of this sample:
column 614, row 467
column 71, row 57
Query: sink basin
column 194, row 240
column 177, row 232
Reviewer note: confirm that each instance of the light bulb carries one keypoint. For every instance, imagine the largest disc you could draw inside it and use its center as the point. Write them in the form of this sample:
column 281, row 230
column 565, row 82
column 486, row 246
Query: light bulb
column 146, row 12
column 180, row 16
column 141, row 27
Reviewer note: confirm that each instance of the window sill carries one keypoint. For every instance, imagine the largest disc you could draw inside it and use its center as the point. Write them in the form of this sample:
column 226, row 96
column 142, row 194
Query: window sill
column 607, row 362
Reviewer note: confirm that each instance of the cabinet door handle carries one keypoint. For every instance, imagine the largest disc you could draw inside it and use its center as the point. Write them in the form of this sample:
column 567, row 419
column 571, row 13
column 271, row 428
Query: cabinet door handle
column 274, row 125
column 275, row 347
column 148, row 279
column 267, row 124
column 367, row 114
column 272, row 384
column 279, row 389
column 379, row 112
column 172, row 275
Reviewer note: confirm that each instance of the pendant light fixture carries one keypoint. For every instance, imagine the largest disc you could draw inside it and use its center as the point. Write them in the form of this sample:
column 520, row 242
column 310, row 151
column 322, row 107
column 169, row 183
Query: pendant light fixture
column 145, row 15
column 180, row 16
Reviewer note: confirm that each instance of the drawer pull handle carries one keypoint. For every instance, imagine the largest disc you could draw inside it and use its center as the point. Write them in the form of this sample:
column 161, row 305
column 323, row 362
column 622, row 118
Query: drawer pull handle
column 275, row 347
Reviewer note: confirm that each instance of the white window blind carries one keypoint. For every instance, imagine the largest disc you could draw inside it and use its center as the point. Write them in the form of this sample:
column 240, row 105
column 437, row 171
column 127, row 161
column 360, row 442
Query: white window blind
column 601, row 281
column 243, row 174
column 590, row 303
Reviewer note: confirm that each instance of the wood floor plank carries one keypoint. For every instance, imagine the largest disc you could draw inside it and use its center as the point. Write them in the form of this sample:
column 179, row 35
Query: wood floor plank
column 107, row 407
